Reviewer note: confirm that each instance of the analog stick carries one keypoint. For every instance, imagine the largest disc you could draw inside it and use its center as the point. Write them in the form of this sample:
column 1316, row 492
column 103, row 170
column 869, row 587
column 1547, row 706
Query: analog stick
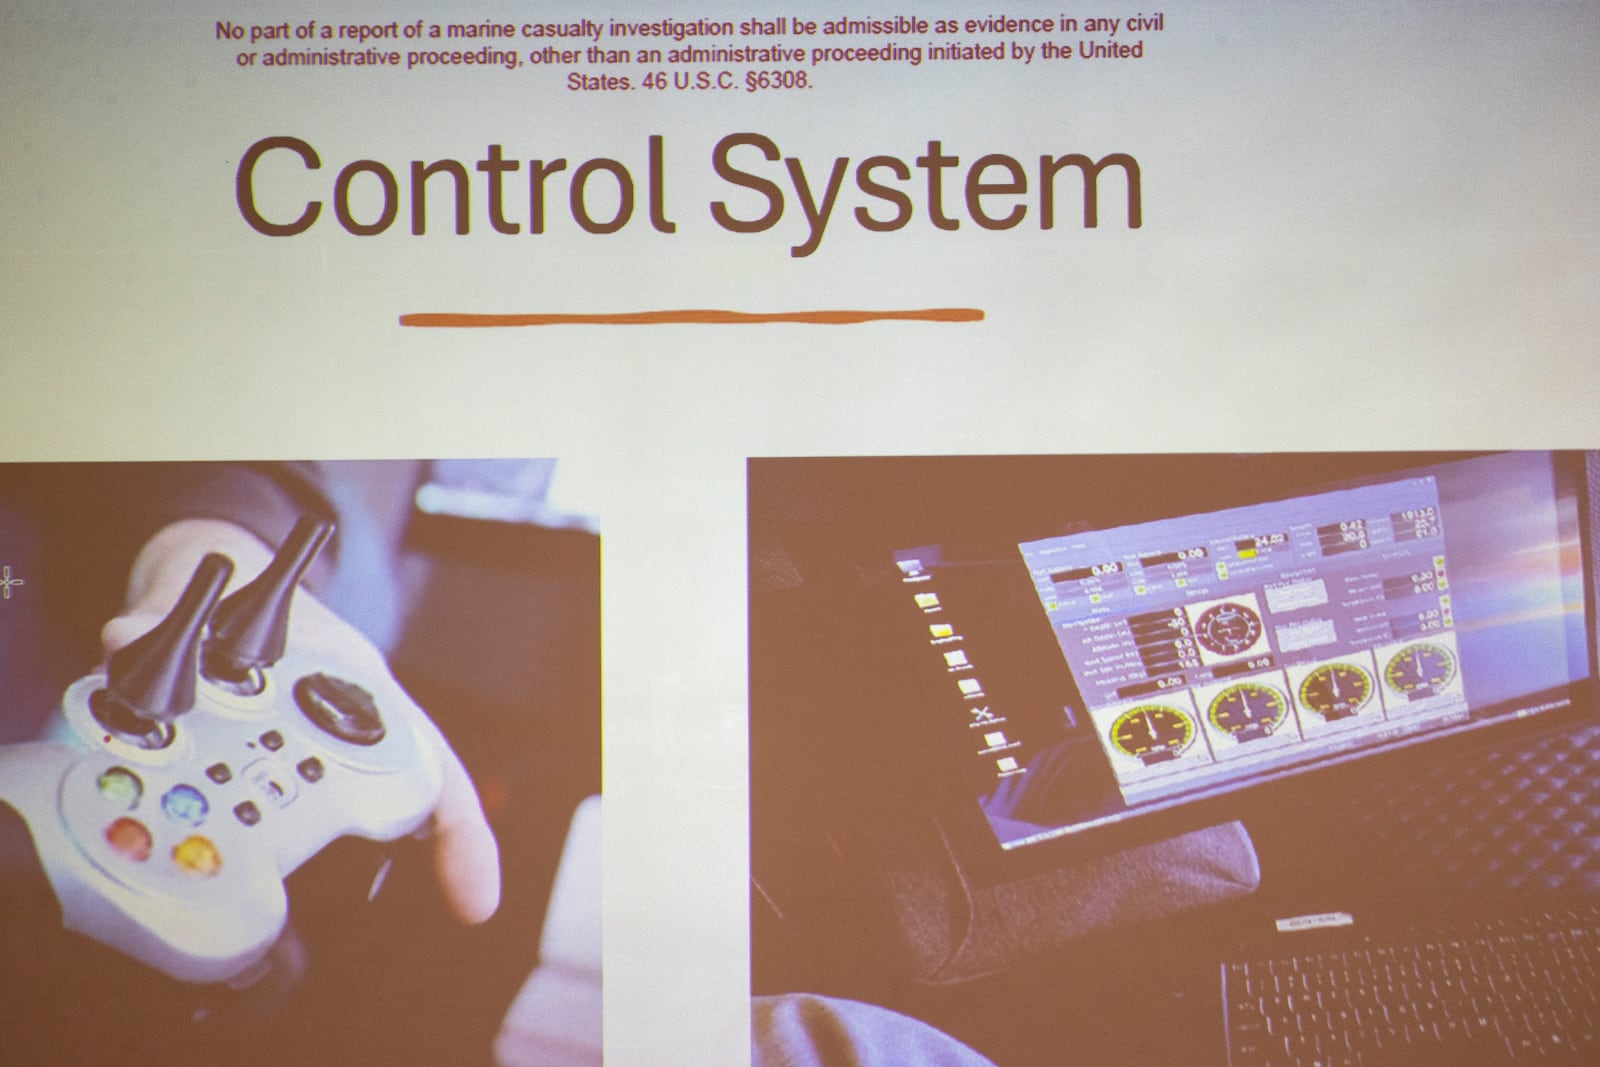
column 251, row 628
column 151, row 681
column 341, row 708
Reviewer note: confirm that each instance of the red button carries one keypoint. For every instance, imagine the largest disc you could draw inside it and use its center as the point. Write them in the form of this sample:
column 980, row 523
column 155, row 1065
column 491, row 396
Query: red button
column 129, row 837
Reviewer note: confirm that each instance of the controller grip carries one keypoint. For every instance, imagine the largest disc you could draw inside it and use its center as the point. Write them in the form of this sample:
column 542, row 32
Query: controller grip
column 52, row 980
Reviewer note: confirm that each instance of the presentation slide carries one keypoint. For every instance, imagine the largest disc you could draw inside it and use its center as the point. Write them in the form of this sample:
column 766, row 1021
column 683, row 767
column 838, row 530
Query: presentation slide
column 507, row 298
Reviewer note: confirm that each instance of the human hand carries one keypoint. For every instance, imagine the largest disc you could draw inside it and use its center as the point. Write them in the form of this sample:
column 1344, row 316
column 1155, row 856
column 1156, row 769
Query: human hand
column 466, row 857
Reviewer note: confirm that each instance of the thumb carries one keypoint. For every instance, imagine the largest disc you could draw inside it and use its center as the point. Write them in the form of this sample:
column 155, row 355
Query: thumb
column 124, row 629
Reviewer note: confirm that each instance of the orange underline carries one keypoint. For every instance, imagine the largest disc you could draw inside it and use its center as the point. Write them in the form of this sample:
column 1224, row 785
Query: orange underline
column 690, row 315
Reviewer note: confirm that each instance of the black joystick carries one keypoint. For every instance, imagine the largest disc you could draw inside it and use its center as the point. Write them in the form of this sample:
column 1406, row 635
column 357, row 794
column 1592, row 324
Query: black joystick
column 251, row 628
column 342, row 708
column 151, row 681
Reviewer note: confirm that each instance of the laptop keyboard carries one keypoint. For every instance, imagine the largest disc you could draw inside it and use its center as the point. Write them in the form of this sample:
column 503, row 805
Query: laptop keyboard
column 1507, row 990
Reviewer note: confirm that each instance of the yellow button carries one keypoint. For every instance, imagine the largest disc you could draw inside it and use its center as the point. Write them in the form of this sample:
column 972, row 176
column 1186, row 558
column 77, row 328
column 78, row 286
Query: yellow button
column 197, row 856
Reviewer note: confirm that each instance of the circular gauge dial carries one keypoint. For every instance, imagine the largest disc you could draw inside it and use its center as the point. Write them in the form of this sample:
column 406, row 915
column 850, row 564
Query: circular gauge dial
column 1336, row 690
column 1248, row 710
column 1420, row 670
column 1228, row 629
column 1153, row 732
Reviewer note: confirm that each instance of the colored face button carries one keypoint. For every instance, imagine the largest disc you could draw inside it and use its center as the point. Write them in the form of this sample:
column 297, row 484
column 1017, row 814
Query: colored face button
column 121, row 787
column 272, row 740
column 197, row 856
column 130, row 839
column 220, row 773
column 247, row 812
column 311, row 769
column 185, row 804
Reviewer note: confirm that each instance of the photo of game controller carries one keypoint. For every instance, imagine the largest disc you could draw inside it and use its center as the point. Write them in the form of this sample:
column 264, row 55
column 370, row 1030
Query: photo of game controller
column 294, row 757
column 177, row 788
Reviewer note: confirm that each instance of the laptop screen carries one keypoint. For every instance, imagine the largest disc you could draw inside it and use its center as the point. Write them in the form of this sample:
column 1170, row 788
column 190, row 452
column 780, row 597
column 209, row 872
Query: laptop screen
column 1212, row 651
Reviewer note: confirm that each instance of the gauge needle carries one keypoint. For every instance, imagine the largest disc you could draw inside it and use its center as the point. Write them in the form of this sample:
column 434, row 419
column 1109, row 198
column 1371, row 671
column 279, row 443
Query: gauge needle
column 1150, row 725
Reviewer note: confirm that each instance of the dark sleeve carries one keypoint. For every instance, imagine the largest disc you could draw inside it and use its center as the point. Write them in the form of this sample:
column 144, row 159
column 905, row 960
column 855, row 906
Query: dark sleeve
column 94, row 517
column 264, row 498
column 802, row 1030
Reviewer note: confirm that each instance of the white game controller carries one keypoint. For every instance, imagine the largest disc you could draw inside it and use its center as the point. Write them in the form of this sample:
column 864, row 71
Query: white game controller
column 176, row 790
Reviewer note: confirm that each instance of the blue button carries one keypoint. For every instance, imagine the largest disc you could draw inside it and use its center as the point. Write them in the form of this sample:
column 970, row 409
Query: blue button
column 185, row 804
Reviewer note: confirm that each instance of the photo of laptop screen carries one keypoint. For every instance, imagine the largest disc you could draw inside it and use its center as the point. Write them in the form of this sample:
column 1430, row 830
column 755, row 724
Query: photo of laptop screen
column 1211, row 652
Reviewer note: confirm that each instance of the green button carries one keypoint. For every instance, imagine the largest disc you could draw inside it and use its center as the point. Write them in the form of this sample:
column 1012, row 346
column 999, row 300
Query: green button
column 121, row 787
